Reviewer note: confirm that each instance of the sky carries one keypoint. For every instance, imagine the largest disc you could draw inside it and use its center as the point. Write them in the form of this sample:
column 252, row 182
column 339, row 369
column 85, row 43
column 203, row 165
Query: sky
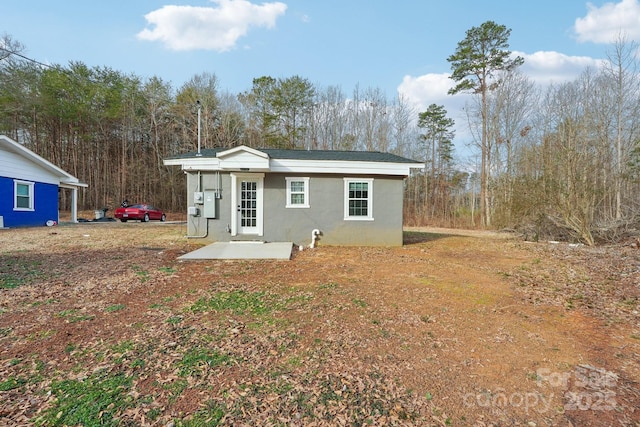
column 400, row 46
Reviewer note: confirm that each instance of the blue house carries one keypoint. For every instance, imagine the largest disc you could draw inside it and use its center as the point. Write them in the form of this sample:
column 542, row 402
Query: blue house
column 29, row 187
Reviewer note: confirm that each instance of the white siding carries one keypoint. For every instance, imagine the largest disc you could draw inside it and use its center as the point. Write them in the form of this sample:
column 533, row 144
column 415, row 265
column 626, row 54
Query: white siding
column 15, row 166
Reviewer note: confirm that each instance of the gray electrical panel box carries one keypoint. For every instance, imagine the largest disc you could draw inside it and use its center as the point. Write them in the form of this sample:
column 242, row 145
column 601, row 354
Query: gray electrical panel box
column 209, row 207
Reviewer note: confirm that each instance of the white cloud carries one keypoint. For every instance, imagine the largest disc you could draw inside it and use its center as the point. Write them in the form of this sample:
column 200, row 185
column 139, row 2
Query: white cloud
column 547, row 67
column 428, row 89
column 543, row 68
column 607, row 23
column 209, row 28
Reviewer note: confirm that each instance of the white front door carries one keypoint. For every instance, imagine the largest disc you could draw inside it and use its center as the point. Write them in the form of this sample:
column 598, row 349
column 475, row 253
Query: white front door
column 247, row 204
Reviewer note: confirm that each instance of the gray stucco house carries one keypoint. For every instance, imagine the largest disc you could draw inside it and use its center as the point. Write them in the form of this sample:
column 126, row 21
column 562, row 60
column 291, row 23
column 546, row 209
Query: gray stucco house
column 343, row 197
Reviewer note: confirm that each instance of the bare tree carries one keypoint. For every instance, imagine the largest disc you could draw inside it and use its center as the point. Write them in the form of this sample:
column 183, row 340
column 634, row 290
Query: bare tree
column 622, row 74
column 9, row 48
column 511, row 111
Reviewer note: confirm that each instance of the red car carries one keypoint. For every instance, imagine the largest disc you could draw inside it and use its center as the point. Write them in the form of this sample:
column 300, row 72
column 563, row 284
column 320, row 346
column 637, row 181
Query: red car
column 140, row 212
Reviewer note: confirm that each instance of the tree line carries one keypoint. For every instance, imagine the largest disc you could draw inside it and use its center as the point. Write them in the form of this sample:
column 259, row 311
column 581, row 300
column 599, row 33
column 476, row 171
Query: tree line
column 112, row 130
column 562, row 161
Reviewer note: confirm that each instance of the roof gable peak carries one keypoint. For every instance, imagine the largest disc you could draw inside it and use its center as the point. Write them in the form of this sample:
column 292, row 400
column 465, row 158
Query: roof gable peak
column 241, row 149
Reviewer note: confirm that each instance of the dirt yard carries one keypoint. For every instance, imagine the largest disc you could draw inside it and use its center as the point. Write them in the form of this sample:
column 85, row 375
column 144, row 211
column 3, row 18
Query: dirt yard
column 101, row 324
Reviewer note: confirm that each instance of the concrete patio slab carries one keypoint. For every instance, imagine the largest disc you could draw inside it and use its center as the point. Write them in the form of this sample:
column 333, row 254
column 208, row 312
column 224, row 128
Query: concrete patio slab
column 242, row 250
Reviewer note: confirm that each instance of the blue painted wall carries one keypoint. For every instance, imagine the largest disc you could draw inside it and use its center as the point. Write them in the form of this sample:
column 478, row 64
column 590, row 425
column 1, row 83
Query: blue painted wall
column 45, row 205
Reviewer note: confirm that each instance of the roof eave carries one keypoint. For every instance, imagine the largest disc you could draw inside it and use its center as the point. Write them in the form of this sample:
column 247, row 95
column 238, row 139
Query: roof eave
column 350, row 167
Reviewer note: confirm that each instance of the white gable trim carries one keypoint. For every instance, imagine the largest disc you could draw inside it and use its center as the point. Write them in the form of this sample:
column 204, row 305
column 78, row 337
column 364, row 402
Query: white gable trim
column 244, row 149
column 243, row 159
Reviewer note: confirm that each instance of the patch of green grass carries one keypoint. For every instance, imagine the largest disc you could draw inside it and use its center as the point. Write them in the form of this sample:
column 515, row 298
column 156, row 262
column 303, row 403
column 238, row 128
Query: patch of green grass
column 209, row 416
column 20, row 271
column 154, row 413
column 123, row 346
column 9, row 281
column 138, row 363
column 174, row 320
column 175, row 388
column 359, row 303
column 141, row 273
column 73, row 316
column 298, row 300
column 168, row 270
column 330, row 285
column 294, row 361
column 43, row 334
column 11, row 383
column 4, row 332
column 115, row 307
column 198, row 359
column 97, row 400
column 238, row 302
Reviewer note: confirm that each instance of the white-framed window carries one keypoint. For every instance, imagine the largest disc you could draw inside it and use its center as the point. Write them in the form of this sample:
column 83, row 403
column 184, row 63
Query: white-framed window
column 297, row 192
column 358, row 199
column 23, row 195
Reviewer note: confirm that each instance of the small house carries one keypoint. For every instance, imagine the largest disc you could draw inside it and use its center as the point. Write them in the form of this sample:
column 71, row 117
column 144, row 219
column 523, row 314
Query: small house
column 29, row 187
column 340, row 197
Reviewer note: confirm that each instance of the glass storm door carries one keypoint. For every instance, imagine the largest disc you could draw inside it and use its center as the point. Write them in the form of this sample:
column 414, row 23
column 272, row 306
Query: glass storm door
column 248, row 206
column 247, row 203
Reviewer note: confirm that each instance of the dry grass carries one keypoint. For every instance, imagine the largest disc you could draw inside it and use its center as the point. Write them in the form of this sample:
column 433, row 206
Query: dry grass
column 100, row 324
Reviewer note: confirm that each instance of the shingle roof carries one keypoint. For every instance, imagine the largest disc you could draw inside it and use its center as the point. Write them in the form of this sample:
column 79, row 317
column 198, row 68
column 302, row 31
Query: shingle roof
column 335, row 155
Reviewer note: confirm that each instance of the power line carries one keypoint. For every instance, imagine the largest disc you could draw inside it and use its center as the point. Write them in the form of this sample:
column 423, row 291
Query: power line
column 68, row 72
column 26, row 58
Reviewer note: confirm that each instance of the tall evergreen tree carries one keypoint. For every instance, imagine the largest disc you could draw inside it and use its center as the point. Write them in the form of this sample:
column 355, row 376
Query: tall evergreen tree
column 438, row 138
column 476, row 63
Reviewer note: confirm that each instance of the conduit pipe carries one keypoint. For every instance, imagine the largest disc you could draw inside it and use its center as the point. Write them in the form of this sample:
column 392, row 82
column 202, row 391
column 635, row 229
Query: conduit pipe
column 206, row 221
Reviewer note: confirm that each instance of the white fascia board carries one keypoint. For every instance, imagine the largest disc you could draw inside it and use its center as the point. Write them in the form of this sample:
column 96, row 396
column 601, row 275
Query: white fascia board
column 343, row 167
column 73, row 184
column 195, row 163
column 298, row 166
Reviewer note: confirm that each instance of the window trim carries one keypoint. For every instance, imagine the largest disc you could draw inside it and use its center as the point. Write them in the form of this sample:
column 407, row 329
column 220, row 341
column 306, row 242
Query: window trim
column 369, row 216
column 31, row 186
column 305, row 193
